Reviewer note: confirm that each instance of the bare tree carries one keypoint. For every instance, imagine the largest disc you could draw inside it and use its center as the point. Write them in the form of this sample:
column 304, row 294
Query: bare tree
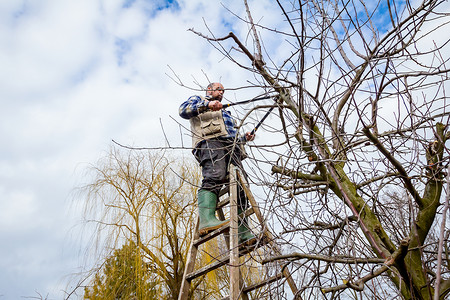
column 353, row 170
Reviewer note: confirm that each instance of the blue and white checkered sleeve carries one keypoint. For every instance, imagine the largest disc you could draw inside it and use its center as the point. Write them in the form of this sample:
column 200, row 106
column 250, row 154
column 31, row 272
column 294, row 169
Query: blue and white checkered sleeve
column 192, row 107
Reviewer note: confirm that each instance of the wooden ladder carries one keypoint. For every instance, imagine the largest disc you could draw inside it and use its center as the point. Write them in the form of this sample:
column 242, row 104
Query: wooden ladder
column 237, row 286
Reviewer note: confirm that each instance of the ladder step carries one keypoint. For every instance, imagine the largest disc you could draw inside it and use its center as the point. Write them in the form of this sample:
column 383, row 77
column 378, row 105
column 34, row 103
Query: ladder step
column 208, row 268
column 223, row 203
column 220, row 262
column 249, row 212
column 258, row 285
column 263, row 283
column 219, row 231
column 211, row 235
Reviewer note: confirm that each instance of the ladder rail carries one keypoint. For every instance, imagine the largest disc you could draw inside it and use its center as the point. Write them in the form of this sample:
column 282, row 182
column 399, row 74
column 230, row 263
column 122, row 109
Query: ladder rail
column 234, row 246
column 221, row 215
column 190, row 264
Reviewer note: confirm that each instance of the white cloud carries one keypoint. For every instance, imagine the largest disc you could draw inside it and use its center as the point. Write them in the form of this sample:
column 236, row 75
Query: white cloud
column 46, row 47
column 131, row 24
column 21, row 206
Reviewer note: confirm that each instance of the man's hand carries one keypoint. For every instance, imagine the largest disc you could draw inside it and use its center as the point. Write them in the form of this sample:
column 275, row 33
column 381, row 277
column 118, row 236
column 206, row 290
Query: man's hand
column 249, row 136
column 215, row 105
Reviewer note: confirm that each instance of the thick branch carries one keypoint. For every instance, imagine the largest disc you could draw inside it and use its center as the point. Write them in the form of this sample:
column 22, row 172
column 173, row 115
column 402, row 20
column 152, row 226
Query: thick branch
column 375, row 179
column 295, row 174
column 403, row 174
column 259, row 65
column 355, row 82
column 325, row 226
column 336, row 259
column 396, row 257
column 258, row 53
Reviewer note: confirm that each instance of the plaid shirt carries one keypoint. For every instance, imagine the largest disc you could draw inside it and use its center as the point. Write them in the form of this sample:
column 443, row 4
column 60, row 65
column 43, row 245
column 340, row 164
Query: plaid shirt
column 196, row 105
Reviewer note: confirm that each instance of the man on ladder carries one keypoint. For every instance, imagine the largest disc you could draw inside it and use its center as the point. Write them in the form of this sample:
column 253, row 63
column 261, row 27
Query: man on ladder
column 216, row 143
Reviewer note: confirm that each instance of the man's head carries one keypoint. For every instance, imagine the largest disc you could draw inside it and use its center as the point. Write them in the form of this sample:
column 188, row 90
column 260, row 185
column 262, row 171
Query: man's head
column 215, row 90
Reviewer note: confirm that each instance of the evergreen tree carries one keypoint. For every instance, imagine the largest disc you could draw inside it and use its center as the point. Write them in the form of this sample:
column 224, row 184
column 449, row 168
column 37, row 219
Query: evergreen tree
column 124, row 275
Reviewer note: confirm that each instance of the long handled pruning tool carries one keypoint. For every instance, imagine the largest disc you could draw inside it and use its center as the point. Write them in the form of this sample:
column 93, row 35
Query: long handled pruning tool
column 262, row 120
column 247, row 101
column 252, row 100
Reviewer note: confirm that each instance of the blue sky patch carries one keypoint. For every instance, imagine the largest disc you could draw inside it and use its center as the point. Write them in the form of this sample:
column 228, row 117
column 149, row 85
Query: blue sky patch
column 152, row 7
column 168, row 4
column 122, row 47
column 128, row 3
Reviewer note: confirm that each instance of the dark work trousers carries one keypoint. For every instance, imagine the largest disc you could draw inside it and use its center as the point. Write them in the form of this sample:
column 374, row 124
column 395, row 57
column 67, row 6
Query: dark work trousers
column 214, row 156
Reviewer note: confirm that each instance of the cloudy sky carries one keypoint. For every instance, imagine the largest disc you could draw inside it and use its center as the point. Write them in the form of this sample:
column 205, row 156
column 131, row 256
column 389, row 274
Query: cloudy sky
column 76, row 75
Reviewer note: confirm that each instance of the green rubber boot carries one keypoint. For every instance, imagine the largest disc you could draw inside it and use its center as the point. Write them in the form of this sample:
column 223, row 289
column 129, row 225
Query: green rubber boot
column 207, row 203
column 245, row 234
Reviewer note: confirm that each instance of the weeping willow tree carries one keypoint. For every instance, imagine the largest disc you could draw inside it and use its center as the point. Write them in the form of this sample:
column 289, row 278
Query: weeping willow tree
column 353, row 167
